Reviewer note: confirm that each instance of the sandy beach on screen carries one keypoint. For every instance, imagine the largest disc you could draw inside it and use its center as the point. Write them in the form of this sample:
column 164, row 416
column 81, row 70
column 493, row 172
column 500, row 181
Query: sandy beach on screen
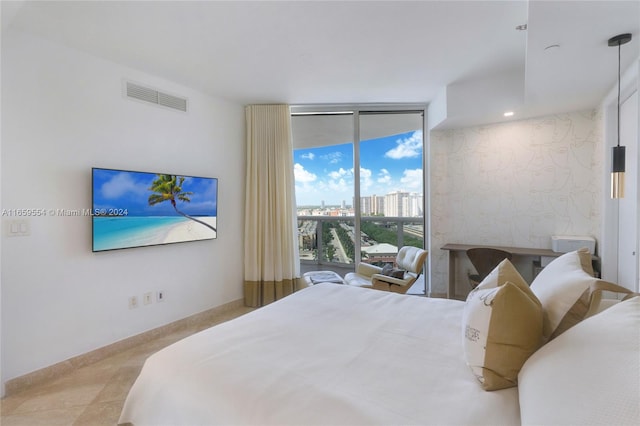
column 190, row 230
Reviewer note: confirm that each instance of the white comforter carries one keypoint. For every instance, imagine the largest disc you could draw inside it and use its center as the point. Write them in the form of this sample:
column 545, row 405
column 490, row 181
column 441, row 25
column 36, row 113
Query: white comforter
column 330, row 354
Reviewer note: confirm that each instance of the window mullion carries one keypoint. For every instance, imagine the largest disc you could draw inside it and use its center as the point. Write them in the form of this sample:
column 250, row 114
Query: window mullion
column 356, row 187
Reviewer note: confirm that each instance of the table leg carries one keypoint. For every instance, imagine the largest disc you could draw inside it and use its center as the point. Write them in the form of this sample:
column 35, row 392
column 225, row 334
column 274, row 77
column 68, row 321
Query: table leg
column 451, row 291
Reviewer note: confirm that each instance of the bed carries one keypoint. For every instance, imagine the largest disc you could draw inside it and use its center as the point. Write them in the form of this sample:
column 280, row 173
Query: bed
column 335, row 354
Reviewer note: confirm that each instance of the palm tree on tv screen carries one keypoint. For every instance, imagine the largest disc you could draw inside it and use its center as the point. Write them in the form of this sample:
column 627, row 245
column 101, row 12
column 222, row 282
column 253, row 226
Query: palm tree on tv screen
column 169, row 187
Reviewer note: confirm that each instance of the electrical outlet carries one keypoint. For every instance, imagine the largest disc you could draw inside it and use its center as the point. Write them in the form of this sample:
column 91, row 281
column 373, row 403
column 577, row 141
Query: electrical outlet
column 133, row 302
column 147, row 298
column 160, row 296
column 18, row 228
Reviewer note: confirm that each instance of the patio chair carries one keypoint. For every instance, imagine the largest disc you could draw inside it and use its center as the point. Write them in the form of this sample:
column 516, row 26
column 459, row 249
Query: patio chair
column 410, row 261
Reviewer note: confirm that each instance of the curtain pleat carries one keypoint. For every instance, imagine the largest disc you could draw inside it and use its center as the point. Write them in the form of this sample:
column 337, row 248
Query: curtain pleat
column 271, row 266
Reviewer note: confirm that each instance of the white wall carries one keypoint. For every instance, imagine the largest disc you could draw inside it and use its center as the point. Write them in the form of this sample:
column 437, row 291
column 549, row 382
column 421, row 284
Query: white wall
column 514, row 184
column 62, row 113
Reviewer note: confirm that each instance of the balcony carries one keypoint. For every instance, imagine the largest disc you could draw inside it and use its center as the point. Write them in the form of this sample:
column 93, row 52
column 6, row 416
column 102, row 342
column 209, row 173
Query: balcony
column 329, row 242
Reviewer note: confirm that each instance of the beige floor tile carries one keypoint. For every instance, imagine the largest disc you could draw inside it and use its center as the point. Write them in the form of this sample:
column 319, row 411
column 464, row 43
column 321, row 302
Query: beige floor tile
column 62, row 416
column 8, row 405
column 98, row 414
column 64, row 398
column 118, row 387
column 93, row 394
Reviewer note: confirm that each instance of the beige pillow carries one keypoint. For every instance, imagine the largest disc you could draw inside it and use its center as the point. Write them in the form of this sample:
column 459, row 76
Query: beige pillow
column 586, row 262
column 505, row 271
column 564, row 289
column 502, row 326
column 596, row 295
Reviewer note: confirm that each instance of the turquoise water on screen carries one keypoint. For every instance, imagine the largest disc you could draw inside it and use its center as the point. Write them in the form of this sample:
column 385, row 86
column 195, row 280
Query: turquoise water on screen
column 111, row 232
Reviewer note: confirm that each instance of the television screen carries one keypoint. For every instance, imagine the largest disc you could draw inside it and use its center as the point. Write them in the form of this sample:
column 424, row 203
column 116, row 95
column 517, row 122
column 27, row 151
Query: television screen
column 136, row 209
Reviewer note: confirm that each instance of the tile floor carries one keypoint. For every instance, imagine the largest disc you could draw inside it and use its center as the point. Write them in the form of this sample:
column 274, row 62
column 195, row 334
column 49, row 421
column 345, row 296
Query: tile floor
column 94, row 394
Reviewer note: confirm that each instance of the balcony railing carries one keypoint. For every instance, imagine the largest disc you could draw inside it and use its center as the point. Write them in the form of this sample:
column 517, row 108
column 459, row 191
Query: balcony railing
column 330, row 240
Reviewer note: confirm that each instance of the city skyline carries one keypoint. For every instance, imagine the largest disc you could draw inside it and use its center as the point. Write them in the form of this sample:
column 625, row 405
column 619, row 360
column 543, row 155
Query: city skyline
column 394, row 204
column 344, row 204
column 387, row 164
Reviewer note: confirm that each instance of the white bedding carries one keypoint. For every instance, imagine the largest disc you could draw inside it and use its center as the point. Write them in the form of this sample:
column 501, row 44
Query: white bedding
column 329, row 354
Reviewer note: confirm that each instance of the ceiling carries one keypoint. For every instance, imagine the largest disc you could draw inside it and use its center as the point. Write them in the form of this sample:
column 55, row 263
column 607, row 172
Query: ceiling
column 332, row 52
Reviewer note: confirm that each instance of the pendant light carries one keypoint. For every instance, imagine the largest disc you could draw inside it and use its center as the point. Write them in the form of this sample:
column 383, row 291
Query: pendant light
column 617, row 167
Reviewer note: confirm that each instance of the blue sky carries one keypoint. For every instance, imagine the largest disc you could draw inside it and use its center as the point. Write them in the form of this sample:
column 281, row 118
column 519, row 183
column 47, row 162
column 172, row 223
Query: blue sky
column 387, row 164
column 130, row 190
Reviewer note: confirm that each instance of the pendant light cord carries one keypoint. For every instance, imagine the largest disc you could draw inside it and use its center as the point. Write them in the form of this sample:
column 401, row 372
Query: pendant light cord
column 619, row 45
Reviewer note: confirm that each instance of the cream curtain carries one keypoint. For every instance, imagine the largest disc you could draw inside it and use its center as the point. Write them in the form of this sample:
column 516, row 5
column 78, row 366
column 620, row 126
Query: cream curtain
column 271, row 261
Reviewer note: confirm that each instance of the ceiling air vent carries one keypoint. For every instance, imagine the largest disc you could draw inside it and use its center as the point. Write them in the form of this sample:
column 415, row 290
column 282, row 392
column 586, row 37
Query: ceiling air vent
column 153, row 96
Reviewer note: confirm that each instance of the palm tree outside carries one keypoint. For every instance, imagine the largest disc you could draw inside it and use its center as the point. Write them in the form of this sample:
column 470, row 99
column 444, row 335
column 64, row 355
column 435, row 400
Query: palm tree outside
column 169, row 187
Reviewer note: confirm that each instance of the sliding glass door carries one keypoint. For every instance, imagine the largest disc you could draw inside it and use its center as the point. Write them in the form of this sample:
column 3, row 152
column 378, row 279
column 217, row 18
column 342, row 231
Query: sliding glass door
column 391, row 184
column 323, row 168
column 358, row 201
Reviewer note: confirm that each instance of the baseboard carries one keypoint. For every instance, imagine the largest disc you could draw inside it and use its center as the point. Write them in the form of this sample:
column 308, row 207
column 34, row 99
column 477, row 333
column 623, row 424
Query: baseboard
column 59, row 369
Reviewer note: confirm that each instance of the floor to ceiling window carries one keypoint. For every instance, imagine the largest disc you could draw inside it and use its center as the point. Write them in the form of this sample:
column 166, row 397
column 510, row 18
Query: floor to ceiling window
column 383, row 170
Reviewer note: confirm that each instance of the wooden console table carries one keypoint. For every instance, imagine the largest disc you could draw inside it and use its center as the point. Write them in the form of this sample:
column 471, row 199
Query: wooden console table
column 456, row 249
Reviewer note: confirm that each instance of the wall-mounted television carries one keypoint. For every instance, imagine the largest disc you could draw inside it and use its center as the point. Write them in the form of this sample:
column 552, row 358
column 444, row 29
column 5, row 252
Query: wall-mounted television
column 137, row 209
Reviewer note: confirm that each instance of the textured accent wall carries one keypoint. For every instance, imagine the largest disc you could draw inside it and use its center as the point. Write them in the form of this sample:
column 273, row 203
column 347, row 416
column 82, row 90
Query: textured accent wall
column 514, row 184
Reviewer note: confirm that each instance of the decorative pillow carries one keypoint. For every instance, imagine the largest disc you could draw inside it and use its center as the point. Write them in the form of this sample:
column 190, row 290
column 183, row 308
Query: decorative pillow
column 596, row 296
column 563, row 287
column 585, row 261
column 505, row 271
column 588, row 375
column 397, row 273
column 386, row 269
column 502, row 326
column 390, row 271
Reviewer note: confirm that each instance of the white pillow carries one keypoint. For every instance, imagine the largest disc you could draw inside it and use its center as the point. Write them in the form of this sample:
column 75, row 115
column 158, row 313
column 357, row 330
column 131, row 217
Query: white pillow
column 589, row 375
column 563, row 288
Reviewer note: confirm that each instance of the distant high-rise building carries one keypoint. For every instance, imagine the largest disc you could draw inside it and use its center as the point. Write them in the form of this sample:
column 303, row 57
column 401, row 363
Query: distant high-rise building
column 365, row 206
column 394, row 203
column 377, row 203
column 372, row 205
column 415, row 205
column 403, row 204
column 322, row 204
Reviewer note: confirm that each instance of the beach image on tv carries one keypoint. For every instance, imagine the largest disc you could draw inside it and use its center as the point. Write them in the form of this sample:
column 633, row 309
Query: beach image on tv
column 135, row 209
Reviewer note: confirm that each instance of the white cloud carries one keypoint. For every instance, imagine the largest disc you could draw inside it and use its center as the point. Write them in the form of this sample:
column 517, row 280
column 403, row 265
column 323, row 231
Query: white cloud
column 407, row 148
column 412, row 179
column 339, row 186
column 365, row 179
column 308, row 156
column 340, row 173
column 333, row 157
column 120, row 184
column 302, row 175
column 384, row 176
